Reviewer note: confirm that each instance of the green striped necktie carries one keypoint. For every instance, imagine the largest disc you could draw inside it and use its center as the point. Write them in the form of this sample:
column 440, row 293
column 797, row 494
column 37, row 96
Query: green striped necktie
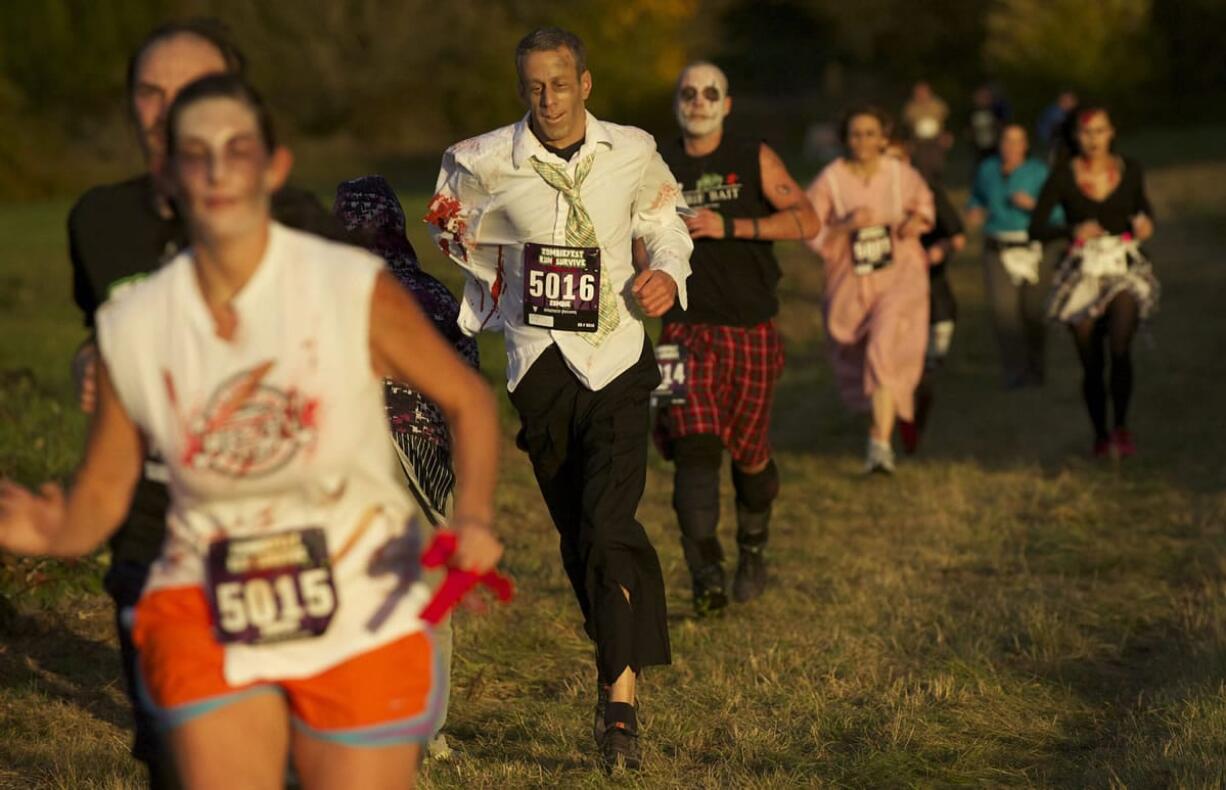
column 580, row 232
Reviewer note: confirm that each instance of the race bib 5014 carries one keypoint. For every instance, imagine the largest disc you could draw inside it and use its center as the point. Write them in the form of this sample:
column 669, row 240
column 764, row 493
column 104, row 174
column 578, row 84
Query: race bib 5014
column 674, row 386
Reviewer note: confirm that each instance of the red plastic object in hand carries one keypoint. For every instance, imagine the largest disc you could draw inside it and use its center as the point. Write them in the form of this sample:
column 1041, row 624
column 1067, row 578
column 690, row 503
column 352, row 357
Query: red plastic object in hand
column 458, row 582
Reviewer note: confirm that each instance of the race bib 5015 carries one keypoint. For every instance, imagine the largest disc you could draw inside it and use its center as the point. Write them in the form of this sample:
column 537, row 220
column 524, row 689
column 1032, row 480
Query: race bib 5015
column 271, row 588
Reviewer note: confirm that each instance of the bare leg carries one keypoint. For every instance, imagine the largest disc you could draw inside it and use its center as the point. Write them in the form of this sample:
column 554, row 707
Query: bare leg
column 240, row 746
column 622, row 689
column 883, row 415
column 324, row 765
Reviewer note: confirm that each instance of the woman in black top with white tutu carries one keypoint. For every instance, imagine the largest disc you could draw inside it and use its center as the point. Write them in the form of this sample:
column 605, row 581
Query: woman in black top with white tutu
column 1105, row 285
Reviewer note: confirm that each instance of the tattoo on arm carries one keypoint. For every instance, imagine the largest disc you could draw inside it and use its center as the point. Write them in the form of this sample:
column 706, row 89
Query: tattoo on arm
column 780, row 189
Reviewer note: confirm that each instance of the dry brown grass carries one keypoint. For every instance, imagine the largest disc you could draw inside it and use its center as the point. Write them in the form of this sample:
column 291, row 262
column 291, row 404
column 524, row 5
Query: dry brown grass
column 1001, row 613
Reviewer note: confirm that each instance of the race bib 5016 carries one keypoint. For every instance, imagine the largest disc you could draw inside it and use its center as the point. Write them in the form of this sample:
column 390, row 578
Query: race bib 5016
column 562, row 287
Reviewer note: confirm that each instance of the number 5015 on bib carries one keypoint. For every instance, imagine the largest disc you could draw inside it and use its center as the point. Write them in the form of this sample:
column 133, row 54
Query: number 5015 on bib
column 271, row 588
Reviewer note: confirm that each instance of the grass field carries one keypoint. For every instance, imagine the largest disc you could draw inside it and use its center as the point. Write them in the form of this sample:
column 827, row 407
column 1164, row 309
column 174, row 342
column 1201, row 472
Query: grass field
column 1003, row 612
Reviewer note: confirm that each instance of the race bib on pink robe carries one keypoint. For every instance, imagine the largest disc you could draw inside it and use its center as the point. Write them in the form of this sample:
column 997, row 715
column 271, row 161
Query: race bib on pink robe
column 872, row 248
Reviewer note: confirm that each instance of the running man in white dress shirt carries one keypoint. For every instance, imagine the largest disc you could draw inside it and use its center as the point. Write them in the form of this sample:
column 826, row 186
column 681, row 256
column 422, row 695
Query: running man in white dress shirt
column 541, row 215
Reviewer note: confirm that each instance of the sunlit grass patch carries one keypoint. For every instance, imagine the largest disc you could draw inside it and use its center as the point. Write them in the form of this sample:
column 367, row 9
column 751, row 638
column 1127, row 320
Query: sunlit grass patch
column 1002, row 612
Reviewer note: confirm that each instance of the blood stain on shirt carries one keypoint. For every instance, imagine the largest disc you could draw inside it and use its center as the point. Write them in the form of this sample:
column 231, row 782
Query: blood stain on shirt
column 444, row 214
column 667, row 193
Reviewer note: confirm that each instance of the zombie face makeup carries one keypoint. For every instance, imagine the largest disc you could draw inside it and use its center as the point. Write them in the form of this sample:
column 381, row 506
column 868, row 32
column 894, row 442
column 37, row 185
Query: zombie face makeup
column 223, row 173
column 556, row 93
column 1095, row 133
column 702, row 101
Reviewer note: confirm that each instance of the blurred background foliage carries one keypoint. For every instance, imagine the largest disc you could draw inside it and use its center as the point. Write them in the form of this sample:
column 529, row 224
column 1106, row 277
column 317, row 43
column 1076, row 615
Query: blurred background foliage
column 402, row 78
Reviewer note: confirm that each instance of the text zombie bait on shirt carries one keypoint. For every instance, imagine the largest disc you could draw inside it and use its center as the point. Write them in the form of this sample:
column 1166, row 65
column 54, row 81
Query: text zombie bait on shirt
column 713, row 189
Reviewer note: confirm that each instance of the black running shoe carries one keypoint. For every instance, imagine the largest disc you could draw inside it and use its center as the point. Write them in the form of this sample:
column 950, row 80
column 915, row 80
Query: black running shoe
column 620, row 749
column 750, row 579
column 709, row 594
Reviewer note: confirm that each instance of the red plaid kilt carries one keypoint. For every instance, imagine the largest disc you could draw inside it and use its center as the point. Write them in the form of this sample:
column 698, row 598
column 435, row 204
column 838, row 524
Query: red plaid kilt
column 731, row 372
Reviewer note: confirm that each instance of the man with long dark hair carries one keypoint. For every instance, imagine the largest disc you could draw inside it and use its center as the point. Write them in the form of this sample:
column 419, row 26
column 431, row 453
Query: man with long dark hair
column 119, row 233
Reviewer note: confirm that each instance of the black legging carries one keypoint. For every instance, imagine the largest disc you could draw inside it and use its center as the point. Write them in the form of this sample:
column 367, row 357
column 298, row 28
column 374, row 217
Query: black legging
column 1116, row 326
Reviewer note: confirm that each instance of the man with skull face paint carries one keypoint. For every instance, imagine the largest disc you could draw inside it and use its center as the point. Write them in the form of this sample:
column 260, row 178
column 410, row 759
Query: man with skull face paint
column 741, row 199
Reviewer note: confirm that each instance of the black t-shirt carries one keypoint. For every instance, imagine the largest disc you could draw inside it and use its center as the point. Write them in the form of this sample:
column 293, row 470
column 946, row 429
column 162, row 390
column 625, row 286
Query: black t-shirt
column 942, row 305
column 733, row 280
column 1114, row 213
column 566, row 153
column 116, row 235
column 948, row 223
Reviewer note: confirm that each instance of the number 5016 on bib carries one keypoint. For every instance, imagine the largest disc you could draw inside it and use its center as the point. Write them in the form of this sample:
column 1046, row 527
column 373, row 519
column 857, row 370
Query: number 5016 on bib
column 562, row 287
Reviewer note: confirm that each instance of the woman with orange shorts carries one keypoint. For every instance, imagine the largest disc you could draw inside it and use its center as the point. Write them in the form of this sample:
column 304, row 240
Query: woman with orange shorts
column 282, row 614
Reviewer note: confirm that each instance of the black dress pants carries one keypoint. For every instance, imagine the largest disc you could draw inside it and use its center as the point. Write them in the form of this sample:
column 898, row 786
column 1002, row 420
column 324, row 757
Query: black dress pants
column 589, row 453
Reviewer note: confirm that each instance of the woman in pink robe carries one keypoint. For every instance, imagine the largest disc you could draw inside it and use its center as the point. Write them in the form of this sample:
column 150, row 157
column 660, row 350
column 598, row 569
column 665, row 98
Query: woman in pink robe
column 873, row 210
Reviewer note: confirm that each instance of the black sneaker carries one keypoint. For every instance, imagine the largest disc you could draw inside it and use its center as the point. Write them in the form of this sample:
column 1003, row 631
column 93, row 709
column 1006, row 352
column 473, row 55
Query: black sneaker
column 602, row 702
column 620, row 749
column 750, row 579
column 709, row 594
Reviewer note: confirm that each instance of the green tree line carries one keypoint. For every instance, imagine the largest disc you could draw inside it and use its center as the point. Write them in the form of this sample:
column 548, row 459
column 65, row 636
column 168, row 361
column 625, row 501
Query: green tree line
column 408, row 75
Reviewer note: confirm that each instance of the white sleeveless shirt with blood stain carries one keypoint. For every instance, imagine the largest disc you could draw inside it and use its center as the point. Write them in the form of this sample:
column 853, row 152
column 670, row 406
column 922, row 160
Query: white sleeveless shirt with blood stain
column 281, row 427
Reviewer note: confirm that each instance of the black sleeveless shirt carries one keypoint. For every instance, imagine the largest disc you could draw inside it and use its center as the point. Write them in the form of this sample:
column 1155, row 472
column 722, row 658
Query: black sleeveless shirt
column 733, row 281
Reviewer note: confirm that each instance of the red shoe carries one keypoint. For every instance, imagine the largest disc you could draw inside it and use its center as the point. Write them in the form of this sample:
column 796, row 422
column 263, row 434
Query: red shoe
column 1122, row 443
column 909, row 433
column 1102, row 449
